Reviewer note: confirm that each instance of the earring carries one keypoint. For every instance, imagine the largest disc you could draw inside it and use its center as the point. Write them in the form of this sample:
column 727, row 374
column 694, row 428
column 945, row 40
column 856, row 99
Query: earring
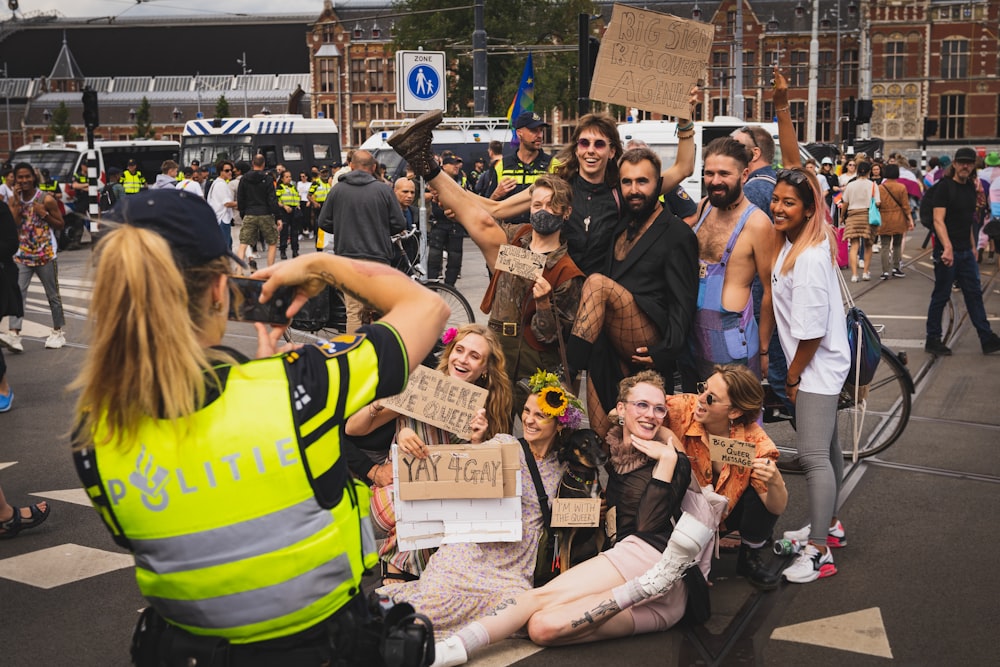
column 216, row 306
column 621, row 421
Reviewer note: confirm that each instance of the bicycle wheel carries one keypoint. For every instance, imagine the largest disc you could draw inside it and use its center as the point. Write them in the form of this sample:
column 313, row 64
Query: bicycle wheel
column 881, row 414
column 461, row 311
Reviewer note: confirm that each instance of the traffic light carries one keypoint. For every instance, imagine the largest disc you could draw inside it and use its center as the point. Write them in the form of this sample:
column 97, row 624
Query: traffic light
column 12, row 5
column 90, row 119
column 864, row 114
column 930, row 127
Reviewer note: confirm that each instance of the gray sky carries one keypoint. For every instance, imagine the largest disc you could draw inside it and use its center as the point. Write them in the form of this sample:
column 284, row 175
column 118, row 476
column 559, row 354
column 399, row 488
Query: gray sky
column 92, row 8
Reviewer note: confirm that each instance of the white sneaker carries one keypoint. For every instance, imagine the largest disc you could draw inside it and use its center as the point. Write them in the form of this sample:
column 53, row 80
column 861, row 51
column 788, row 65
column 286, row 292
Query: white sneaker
column 836, row 536
column 810, row 565
column 55, row 340
column 450, row 652
column 866, row 276
column 12, row 340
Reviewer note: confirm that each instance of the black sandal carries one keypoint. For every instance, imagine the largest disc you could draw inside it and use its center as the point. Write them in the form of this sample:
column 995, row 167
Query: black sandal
column 16, row 523
column 389, row 577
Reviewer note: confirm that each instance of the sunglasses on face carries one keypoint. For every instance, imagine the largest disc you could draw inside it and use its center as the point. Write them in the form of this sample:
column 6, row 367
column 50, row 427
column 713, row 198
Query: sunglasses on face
column 850, row 164
column 598, row 143
column 710, row 398
column 226, row 169
column 659, row 411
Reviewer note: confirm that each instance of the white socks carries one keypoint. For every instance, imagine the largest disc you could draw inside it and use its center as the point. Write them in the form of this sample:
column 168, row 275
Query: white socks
column 456, row 649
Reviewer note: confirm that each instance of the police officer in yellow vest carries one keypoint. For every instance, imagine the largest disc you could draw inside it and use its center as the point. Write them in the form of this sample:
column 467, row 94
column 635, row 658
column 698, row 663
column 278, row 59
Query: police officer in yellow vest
column 224, row 476
column 288, row 199
column 318, row 192
column 132, row 179
column 517, row 171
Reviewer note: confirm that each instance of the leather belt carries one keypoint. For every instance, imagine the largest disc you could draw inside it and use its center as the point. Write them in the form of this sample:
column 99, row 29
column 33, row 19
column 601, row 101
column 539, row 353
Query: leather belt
column 510, row 329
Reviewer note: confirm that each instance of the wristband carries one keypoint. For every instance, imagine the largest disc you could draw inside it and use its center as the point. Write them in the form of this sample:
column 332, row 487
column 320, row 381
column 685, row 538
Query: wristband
column 685, row 128
column 793, row 384
column 781, row 109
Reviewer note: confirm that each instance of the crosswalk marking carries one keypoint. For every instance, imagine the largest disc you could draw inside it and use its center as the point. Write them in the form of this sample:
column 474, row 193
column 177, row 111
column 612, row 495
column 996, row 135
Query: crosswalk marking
column 857, row 631
column 7, row 464
column 76, row 496
column 61, row 565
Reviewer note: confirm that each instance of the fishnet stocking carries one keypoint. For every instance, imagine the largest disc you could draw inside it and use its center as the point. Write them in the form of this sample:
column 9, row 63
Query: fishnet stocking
column 606, row 305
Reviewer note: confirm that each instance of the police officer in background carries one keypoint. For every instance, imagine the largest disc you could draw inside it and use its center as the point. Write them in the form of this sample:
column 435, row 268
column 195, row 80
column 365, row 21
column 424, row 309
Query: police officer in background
column 223, row 475
column 517, row 171
column 132, row 179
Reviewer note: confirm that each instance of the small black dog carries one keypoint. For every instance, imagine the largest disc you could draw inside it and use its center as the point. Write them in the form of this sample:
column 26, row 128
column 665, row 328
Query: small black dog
column 584, row 456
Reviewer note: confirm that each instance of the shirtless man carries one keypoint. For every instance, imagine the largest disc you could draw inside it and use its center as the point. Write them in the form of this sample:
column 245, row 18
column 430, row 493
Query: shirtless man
column 735, row 242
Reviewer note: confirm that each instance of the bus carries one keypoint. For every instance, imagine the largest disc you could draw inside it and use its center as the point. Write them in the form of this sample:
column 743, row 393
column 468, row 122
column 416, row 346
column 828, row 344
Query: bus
column 288, row 139
column 661, row 136
column 466, row 137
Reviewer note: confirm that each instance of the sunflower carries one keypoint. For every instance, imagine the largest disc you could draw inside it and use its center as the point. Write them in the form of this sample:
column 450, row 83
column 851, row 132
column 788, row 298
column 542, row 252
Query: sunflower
column 552, row 401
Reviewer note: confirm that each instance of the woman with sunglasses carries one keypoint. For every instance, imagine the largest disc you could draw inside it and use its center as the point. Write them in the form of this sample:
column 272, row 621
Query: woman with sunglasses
column 727, row 405
column 805, row 292
column 849, row 172
column 648, row 488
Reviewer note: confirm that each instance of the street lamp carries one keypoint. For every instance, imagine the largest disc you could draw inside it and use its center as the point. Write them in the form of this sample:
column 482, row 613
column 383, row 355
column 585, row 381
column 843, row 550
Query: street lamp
column 243, row 63
column 696, row 12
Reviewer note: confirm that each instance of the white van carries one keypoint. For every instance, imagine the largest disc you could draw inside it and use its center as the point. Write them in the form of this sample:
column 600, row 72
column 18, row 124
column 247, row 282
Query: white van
column 661, row 136
column 466, row 137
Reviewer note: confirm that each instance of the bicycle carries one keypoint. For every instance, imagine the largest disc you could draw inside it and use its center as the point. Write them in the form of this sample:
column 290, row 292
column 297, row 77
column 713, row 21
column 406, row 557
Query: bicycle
column 325, row 315
column 880, row 415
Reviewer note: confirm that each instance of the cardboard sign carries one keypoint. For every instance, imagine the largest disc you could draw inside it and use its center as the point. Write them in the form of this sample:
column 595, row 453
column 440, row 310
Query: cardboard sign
column 651, row 60
column 733, row 452
column 439, row 400
column 576, row 512
column 488, row 470
column 519, row 261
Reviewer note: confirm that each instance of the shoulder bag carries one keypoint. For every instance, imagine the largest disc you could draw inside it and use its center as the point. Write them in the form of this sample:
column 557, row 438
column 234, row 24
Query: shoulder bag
column 546, row 565
column 866, row 352
column 874, row 215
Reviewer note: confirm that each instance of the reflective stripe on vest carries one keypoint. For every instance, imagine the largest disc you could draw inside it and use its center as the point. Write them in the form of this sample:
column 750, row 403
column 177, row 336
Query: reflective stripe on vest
column 132, row 182
column 49, row 187
column 288, row 196
column 228, row 535
column 320, row 190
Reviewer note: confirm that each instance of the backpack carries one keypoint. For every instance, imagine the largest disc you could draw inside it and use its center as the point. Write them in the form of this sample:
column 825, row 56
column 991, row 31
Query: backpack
column 107, row 198
column 927, row 207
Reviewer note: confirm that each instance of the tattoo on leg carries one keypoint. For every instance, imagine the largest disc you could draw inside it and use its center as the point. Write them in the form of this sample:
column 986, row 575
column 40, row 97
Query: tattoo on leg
column 509, row 602
column 606, row 608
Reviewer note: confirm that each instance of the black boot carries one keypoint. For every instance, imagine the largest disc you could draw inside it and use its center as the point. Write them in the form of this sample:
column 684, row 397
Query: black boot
column 751, row 565
column 413, row 143
column 577, row 355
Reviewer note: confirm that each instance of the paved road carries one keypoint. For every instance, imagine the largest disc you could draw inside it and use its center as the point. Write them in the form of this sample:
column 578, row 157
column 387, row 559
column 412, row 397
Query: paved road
column 913, row 589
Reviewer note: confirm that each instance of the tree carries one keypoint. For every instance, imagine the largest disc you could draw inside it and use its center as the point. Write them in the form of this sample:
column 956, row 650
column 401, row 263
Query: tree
column 447, row 25
column 222, row 107
column 143, row 122
column 60, row 124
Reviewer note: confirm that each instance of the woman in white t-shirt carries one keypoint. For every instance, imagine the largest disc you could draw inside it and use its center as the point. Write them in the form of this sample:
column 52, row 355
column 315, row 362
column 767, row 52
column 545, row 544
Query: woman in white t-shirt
column 805, row 295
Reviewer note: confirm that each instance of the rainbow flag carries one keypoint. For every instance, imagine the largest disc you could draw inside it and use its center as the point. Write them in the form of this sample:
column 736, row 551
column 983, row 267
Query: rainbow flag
column 524, row 100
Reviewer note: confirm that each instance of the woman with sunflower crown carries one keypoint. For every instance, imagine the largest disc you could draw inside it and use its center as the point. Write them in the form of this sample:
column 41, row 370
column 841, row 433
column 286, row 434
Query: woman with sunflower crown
column 467, row 580
column 472, row 354
column 615, row 593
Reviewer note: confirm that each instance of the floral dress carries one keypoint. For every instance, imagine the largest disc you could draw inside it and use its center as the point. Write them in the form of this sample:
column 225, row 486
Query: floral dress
column 465, row 581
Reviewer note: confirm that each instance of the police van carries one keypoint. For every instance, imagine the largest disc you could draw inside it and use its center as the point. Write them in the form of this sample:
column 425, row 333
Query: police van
column 61, row 159
column 661, row 136
column 466, row 137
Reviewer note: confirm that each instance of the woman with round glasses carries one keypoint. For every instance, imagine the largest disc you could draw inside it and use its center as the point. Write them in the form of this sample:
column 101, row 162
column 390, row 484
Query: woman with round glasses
column 809, row 318
column 593, row 601
column 727, row 405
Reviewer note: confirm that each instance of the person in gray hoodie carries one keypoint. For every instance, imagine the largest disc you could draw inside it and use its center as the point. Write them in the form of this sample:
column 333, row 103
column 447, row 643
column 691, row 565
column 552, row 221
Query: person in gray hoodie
column 167, row 178
column 362, row 213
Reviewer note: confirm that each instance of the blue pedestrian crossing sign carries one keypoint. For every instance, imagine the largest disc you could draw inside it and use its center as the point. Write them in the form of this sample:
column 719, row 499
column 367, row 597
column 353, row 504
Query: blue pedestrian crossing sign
column 420, row 81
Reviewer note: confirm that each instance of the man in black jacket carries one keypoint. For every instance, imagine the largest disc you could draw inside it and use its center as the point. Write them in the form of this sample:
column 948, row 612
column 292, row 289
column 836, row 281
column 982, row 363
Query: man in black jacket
column 636, row 313
column 258, row 205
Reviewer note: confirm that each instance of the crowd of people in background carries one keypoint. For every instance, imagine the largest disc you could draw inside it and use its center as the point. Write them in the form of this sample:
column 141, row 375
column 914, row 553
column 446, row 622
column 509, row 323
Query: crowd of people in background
column 636, row 283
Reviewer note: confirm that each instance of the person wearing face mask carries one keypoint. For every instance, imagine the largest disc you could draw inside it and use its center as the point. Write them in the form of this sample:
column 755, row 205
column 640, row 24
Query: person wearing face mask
column 528, row 316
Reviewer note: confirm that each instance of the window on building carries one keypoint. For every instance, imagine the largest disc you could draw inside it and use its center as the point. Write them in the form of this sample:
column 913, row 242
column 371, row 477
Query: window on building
column 329, row 111
column 327, row 75
column 358, row 83
column 952, row 123
column 731, row 22
column 768, row 115
column 848, row 67
column 748, row 107
column 720, row 68
column 954, row 58
column 799, row 71
column 895, row 60
column 376, row 76
column 827, row 69
column 824, row 121
column 390, row 75
column 720, row 106
column 749, row 69
column 798, row 113
column 329, row 32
